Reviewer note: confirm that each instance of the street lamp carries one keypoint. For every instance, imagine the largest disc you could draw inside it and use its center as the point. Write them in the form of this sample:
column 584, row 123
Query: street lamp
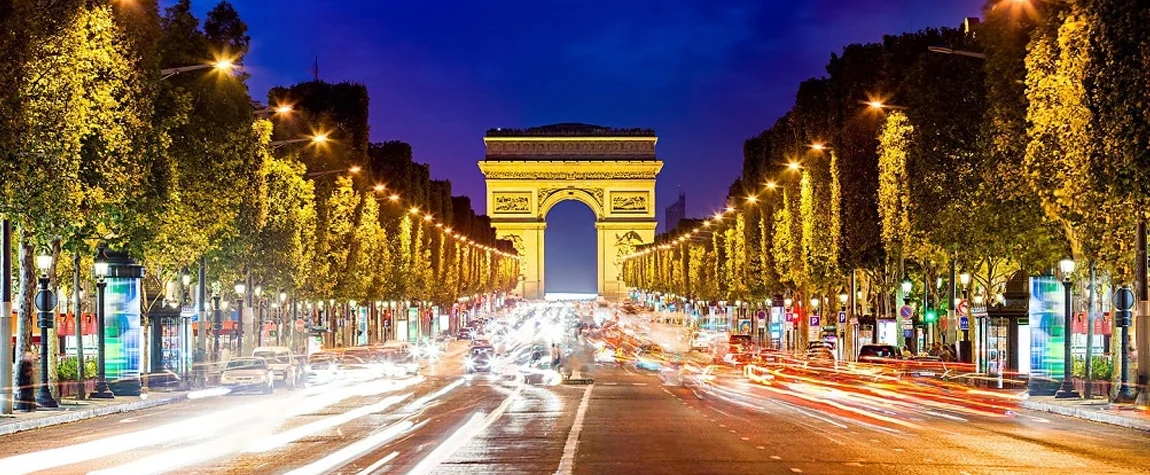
column 100, row 269
column 316, row 139
column 907, row 286
column 1066, row 389
column 218, row 324
column 220, row 65
column 45, row 306
column 843, row 300
column 352, row 169
column 280, row 317
column 258, row 318
column 240, row 289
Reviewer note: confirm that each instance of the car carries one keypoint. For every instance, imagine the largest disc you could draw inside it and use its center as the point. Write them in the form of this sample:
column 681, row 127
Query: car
column 248, row 373
column 398, row 363
column 480, row 342
column 605, row 355
column 463, row 334
column 283, row 364
column 479, row 359
column 322, row 367
column 923, row 367
column 368, row 355
column 650, row 358
column 356, row 368
column 878, row 354
column 743, row 342
column 769, row 355
column 739, row 359
column 820, row 353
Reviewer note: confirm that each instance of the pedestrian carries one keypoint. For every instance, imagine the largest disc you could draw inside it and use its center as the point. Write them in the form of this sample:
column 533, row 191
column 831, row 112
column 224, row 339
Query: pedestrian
column 26, row 394
column 555, row 354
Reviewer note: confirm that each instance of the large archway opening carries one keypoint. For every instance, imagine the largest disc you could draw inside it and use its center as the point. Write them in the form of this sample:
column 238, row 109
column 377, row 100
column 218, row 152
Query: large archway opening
column 571, row 250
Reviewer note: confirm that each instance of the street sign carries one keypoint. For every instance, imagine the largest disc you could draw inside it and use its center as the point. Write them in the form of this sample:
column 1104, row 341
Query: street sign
column 907, row 333
column 790, row 316
column 906, row 311
column 842, row 317
column 963, row 307
column 964, row 323
column 979, row 311
column 299, row 325
column 762, row 315
column 1124, row 299
column 814, row 321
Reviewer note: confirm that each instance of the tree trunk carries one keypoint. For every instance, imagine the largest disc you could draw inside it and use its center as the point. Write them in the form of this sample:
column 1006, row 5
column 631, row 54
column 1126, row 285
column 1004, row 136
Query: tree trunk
column 27, row 294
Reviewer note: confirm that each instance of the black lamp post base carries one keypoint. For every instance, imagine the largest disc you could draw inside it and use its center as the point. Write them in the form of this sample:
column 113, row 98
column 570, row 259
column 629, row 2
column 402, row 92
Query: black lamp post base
column 102, row 391
column 44, row 398
column 1125, row 394
column 1067, row 393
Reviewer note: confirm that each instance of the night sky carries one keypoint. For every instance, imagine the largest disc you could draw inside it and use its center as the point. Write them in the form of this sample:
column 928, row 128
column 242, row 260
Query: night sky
column 706, row 75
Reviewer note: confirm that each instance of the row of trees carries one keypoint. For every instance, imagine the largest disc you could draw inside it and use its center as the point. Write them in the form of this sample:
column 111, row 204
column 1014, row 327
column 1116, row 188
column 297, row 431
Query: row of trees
column 99, row 147
column 901, row 162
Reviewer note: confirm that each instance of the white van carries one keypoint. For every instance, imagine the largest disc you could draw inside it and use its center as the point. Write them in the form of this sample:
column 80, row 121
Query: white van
column 282, row 361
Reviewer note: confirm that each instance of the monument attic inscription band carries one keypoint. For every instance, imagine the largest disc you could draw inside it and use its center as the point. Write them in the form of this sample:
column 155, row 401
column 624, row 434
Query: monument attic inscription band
column 612, row 171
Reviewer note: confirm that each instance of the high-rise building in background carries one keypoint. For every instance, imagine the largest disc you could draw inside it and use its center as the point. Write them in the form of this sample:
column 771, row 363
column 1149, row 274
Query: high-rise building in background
column 676, row 212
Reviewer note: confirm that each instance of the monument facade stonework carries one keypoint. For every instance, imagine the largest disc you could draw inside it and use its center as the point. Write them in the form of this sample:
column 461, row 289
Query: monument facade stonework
column 612, row 171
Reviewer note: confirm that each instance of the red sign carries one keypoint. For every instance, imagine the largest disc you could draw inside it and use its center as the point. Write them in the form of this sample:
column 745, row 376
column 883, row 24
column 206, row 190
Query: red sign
column 1102, row 324
column 299, row 325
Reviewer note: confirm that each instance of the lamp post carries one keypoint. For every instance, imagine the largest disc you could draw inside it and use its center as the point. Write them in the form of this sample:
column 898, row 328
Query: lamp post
column 217, row 325
column 240, row 288
column 45, row 305
column 843, row 297
column 1066, row 389
column 280, row 318
column 258, row 318
column 908, row 334
column 964, row 280
column 100, row 269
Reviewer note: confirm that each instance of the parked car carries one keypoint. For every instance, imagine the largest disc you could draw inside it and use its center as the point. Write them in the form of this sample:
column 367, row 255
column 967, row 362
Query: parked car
column 248, row 373
column 283, row 363
column 878, row 354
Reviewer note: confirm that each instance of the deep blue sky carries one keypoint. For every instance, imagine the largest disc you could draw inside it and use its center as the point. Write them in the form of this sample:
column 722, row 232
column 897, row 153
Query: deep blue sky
column 705, row 75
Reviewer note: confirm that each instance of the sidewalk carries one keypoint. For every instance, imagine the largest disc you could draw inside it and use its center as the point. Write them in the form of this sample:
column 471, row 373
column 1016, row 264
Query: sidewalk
column 1097, row 410
column 72, row 410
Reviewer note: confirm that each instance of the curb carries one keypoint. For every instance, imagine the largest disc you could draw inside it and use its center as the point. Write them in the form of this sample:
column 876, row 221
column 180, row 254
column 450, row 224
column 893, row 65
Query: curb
column 79, row 415
column 1094, row 415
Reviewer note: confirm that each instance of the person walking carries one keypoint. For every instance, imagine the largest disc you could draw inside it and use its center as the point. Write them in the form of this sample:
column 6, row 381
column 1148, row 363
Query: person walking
column 555, row 354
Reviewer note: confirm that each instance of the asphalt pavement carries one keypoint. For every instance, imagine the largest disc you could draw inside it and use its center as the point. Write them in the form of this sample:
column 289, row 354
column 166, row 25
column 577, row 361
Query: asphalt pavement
column 627, row 422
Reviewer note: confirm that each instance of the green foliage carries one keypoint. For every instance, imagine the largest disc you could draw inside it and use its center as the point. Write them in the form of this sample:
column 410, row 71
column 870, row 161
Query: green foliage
column 67, row 368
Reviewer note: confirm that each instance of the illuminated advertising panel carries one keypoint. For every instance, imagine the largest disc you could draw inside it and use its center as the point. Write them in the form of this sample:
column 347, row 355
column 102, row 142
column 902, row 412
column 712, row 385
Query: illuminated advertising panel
column 1047, row 330
column 413, row 324
column 122, row 330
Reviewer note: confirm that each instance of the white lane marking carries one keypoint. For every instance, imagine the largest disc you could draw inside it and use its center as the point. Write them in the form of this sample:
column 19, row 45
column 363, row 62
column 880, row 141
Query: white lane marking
column 760, row 447
column 378, row 463
column 797, row 470
column 567, row 462
column 473, row 427
column 610, row 383
column 776, row 457
column 356, row 449
column 638, row 384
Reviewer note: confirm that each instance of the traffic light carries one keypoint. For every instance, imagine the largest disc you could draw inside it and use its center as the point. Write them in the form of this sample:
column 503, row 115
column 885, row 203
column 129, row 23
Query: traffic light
column 931, row 315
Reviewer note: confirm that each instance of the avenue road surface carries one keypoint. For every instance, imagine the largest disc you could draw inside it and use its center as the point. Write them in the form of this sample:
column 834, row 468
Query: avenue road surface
column 626, row 422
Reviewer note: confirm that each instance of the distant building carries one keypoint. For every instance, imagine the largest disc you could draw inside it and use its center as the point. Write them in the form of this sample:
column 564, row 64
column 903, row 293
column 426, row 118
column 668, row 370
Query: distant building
column 676, row 212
